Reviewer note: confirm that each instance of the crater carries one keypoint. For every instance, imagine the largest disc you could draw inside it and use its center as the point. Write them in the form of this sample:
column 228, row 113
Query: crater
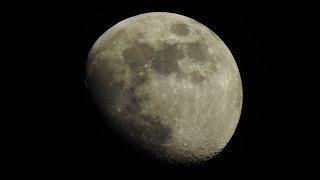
column 180, row 29
column 165, row 61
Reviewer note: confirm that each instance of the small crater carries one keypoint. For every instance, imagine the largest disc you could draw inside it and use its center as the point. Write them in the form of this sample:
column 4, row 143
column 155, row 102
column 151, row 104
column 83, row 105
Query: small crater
column 180, row 29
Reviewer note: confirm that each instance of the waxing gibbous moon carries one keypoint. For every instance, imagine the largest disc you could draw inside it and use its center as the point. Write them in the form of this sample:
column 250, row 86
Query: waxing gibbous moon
column 168, row 84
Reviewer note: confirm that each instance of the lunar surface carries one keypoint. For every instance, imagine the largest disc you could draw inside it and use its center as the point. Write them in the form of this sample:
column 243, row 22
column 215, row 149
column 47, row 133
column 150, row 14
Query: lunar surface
column 168, row 84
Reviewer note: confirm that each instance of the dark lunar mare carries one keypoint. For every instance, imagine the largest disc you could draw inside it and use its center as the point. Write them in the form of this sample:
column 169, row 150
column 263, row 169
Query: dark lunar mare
column 164, row 62
column 180, row 29
column 142, row 125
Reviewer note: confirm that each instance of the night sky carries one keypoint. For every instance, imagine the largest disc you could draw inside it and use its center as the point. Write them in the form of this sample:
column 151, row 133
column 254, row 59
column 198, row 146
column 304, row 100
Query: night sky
column 86, row 144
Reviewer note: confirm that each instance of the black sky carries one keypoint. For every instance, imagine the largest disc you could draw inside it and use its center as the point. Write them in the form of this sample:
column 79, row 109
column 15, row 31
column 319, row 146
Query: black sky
column 85, row 144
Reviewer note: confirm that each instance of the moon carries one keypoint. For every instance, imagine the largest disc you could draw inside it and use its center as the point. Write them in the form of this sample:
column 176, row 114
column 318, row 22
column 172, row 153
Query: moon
column 168, row 84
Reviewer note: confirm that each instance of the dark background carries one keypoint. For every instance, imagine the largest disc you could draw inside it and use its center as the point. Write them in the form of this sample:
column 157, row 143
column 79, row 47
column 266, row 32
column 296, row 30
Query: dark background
column 82, row 143
column 57, row 131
